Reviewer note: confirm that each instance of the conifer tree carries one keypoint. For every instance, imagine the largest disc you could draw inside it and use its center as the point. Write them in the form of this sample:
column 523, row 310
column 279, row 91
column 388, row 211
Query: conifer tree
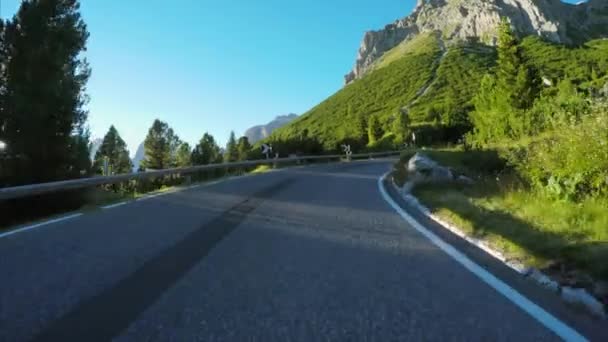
column 244, row 148
column 232, row 152
column 115, row 150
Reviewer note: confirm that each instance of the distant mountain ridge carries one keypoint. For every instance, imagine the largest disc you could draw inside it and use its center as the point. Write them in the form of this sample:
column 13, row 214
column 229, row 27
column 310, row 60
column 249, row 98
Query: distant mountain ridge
column 257, row 133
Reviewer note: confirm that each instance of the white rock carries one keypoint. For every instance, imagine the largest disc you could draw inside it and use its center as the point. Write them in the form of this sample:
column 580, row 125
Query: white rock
column 543, row 280
column 582, row 297
column 421, row 163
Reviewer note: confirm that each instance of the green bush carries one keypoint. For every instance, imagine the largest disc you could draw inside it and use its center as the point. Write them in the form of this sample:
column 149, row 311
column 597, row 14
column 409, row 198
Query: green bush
column 572, row 161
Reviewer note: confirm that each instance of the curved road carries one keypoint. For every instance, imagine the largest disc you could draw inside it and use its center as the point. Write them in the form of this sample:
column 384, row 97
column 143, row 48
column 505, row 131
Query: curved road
column 305, row 254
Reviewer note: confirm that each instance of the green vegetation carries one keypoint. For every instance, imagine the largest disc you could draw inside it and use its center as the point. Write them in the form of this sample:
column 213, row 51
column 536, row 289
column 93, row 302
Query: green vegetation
column 206, row 151
column 538, row 150
column 261, row 169
column 183, row 157
column 161, row 146
column 419, row 44
column 42, row 102
column 244, row 148
column 381, row 94
column 44, row 131
column 232, row 150
column 113, row 150
column 526, row 225
column 449, row 98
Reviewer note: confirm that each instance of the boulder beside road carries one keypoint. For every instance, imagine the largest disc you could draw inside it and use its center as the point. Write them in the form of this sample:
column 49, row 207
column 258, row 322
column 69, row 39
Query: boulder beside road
column 423, row 170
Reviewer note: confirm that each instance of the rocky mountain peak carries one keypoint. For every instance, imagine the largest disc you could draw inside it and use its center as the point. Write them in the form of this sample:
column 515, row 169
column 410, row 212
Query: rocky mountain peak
column 477, row 20
column 257, row 133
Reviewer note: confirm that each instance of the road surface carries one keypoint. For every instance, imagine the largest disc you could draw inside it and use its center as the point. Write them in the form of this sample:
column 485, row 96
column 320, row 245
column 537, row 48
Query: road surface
column 305, row 254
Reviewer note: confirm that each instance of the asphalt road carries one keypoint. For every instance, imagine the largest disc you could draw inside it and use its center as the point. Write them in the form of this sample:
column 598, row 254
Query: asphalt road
column 308, row 254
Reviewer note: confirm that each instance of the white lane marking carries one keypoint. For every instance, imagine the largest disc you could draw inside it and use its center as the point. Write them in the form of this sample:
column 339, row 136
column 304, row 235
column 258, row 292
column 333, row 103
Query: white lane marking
column 37, row 225
column 154, row 196
column 120, row 204
column 549, row 321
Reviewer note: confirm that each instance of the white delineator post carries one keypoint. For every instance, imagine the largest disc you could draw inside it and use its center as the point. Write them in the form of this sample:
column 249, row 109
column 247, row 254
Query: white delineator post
column 347, row 151
column 266, row 149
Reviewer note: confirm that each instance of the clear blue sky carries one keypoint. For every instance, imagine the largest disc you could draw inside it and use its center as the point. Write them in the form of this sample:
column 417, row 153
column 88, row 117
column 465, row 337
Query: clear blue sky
column 220, row 65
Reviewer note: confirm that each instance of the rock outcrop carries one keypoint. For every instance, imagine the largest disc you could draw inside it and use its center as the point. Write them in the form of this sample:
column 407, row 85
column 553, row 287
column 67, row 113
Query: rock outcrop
column 477, row 20
column 422, row 170
column 95, row 144
column 138, row 157
column 257, row 133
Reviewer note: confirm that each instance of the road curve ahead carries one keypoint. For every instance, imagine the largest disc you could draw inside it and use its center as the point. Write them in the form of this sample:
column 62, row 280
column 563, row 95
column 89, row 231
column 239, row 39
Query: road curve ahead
column 306, row 254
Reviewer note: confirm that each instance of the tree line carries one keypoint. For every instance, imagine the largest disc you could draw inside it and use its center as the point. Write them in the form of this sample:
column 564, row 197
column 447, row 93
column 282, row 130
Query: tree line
column 163, row 149
column 43, row 117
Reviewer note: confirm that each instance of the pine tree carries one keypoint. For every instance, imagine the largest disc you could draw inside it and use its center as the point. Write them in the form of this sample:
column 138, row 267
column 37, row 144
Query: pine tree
column 487, row 118
column 503, row 101
column 115, row 150
column 157, row 146
column 361, row 129
column 43, row 97
column 232, row 152
column 174, row 144
column 206, row 151
column 244, row 148
column 401, row 126
column 374, row 130
column 516, row 81
column 183, row 155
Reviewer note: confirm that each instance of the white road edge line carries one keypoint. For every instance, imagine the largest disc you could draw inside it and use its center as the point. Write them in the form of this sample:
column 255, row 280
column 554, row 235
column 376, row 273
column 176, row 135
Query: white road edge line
column 37, row 225
column 549, row 321
column 120, row 204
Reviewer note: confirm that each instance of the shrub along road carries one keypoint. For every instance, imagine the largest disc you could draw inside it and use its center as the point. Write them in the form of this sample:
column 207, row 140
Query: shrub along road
column 303, row 254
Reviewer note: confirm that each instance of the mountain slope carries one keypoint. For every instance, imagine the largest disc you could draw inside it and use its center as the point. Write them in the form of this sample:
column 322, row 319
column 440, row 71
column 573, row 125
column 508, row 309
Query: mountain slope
column 433, row 75
column 383, row 93
column 476, row 21
column 257, row 133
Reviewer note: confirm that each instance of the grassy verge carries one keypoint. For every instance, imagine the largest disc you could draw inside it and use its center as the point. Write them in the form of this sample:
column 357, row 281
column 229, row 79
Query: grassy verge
column 566, row 239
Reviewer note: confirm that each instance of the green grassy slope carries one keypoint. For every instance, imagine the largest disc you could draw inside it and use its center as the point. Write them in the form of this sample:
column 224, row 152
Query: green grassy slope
column 457, row 81
column 558, row 61
column 396, row 79
column 382, row 92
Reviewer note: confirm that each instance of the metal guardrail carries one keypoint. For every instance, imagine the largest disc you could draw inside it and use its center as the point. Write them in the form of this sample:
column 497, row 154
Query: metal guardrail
column 44, row 188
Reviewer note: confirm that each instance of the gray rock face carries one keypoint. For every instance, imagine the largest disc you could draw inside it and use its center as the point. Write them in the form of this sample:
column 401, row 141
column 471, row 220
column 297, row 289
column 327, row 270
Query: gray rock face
column 138, row 157
column 95, row 144
column 257, row 133
column 477, row 20
column 424, row 170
